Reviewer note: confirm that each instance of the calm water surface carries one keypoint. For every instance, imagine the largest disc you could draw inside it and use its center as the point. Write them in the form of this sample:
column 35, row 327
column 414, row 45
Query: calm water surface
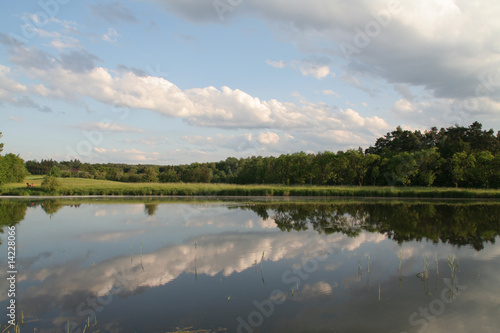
column 226, row 266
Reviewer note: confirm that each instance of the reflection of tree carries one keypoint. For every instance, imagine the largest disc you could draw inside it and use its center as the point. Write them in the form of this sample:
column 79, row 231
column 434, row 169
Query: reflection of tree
column 457, row 224
column 11, row 213
column 150, row 209
column 51, row 206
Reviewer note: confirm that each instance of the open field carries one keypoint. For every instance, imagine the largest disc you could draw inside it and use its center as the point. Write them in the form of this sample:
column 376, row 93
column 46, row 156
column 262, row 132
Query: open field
column 80, row 186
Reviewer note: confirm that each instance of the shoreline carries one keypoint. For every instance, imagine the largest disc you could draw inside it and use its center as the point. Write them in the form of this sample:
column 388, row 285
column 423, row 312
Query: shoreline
column 251, row 198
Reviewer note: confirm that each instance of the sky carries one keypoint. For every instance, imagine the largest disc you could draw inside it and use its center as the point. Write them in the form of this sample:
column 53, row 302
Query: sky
column 182, row 81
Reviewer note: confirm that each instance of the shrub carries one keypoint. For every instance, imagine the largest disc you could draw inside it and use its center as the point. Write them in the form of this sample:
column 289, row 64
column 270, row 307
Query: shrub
column 51, row 184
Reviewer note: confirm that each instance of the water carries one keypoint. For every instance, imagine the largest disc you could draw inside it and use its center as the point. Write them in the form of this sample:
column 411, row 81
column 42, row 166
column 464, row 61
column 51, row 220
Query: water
column 124, row 265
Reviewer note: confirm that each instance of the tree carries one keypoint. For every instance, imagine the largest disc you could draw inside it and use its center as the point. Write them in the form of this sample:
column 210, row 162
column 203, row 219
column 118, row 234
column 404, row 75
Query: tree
column 300, row 168
column 429, row 161
column 150, row 175
column 169, row 176
column 340, row 172
column 51, row 184
column 483, row 169
column 55, row 172
column 402, row 168
column 1, row 144
column 372, row 163
column 399, row 141
column 461, row 164
column 12, row 169
column 357, row 163
column 323, row 166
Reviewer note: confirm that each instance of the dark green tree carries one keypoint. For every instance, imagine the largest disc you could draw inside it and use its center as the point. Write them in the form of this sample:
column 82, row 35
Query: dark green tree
column 55, row 172
column 12, row 169
column 461, row 164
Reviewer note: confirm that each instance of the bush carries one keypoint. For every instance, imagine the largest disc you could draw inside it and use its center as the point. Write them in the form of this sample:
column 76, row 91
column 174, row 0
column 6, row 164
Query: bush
column 51, row 184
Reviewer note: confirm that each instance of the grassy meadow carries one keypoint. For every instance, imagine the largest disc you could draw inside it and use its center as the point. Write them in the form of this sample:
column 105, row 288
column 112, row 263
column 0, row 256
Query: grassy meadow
column 82, row 186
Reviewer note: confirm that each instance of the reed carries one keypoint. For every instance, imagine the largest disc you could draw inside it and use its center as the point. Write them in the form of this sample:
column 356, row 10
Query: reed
column 80, row 186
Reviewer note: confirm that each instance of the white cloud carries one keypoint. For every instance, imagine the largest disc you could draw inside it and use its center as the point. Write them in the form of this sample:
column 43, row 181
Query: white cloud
column 374, row 123
column 65, row 42
column 125, row 155
column 150, row 141
column 352, row 117
column 316, row 69
column 106, row 237
column 276, row 64
column 404, row 106
column 330, row 92
column 47, row 34
column 109, row 127
column 242, row 142
column 111, row 35
column 444, row 46
column 313, row 124
column 9, row 85
column 447, row 111
column 268, row 138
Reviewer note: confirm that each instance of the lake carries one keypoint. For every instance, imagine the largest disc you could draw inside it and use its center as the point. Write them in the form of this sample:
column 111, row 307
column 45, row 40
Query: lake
column 253, row 265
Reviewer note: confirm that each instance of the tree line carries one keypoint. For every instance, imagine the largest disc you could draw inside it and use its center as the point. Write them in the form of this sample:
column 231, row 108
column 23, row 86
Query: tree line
column 456, row 156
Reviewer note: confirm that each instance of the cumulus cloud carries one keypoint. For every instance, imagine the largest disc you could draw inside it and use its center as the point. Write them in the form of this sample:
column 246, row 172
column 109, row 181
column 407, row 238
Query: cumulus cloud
column 446, row 111
column 449, row 48
column 268, row 138
column 225, row 107
column 208, row 107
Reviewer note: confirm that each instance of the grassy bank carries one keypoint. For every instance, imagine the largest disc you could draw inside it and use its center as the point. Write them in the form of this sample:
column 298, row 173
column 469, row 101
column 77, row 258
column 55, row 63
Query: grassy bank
column 80, row 186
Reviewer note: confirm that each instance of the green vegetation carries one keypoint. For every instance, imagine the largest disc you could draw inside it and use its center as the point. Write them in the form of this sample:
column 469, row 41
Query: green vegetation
column 51, row 184
column 12, row 169
column 82, row 186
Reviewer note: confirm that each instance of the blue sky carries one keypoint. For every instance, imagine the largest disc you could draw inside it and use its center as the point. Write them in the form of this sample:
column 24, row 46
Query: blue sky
column 178, row 81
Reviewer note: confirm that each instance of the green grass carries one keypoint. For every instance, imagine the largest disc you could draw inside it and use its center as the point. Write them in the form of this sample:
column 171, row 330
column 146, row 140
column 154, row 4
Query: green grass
column 81, row 186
